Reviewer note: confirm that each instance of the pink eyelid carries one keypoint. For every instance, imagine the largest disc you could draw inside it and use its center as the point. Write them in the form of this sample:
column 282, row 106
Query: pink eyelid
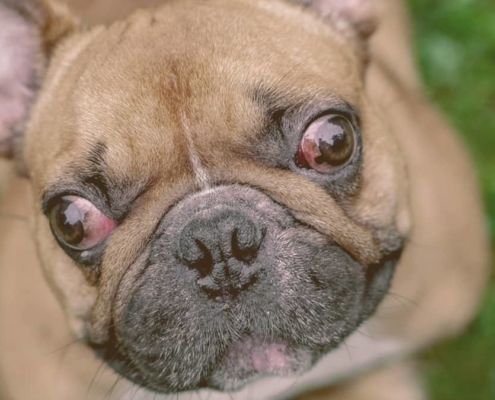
column 97, row 225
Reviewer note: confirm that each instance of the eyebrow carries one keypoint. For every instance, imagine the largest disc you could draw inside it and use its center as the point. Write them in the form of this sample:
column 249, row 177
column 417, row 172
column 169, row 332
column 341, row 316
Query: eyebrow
column 97, row 154
column 97, row 177
column 94, row 181
column 279, row 108
column 274, row 107
column 270, row 101
column 89, row 179
column 274, row 103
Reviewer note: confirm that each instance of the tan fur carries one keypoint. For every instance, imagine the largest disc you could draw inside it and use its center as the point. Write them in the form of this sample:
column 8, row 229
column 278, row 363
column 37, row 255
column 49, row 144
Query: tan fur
column 391, row 382
column 417, row 181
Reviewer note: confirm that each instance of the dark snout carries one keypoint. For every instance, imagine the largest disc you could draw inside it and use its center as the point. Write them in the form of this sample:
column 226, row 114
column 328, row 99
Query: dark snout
column 235, row 288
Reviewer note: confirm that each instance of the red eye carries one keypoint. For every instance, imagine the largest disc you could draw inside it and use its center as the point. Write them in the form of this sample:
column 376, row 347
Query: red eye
column 328, row 144
column 78, row 224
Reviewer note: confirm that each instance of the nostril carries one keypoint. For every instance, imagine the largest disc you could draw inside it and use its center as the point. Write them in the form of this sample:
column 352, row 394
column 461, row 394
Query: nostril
column 243, row 252
column 204, row 262
column 246, row 242
column 194, row 252
column 221, row 249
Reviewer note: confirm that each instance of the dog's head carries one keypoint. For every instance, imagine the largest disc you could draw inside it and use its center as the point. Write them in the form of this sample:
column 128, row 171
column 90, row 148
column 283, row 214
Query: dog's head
column 216, row 198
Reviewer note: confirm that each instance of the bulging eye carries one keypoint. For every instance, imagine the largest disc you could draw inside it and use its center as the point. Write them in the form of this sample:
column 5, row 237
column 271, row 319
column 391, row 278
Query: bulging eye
column 78, row 224
column 328, row 144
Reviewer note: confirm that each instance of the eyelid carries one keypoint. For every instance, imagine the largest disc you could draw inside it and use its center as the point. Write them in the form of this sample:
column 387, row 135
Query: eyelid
column 52, row 195
column 347, row 111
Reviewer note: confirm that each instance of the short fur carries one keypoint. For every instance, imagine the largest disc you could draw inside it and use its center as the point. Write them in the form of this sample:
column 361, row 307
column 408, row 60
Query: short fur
column 170, row 112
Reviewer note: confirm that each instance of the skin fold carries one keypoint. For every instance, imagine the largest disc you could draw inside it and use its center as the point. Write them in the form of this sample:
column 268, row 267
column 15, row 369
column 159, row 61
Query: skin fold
column 182, row 123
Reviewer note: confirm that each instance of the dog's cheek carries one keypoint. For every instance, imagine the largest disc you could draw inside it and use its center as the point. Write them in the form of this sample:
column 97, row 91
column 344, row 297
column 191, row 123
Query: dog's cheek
column 73, row 290
column 382, row 203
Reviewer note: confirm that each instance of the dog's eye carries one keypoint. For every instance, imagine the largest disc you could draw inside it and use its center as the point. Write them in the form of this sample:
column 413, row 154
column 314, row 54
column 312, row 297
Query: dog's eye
column 328, row 144
column 78, row 224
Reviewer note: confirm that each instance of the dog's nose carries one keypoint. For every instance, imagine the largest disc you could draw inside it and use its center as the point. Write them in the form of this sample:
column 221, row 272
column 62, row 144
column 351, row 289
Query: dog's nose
column 223, row 248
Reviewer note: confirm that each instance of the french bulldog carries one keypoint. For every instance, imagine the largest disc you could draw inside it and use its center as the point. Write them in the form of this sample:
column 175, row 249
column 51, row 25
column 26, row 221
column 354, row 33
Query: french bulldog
column 247, row 199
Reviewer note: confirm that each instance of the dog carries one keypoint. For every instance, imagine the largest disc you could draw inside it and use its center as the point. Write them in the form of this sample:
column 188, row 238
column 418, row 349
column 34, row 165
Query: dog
column 246, row 199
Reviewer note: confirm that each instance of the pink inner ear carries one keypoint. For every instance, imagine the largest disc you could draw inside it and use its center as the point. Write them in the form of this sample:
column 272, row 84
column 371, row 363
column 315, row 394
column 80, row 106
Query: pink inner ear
column 18, row 46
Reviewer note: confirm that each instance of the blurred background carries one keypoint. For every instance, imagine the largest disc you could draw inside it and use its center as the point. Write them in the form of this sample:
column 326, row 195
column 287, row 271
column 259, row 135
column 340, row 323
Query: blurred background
column 455, row 45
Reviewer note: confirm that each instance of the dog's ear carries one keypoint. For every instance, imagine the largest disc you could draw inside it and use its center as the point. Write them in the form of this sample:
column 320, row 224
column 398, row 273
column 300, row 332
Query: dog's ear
column 30, row 31
column 360, row 15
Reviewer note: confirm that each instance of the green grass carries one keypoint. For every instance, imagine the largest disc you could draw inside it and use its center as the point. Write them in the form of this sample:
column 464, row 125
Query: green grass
column 455, row 42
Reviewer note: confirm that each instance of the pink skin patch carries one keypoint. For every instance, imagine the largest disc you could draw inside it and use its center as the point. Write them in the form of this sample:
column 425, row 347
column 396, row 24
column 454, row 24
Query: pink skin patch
column 272, row 358
column 256, row 354
column 18, row 46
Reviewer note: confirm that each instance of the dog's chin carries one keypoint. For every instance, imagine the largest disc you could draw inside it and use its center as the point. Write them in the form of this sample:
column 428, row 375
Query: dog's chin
column 246, row 360
column 249, row 357
column 254, row 357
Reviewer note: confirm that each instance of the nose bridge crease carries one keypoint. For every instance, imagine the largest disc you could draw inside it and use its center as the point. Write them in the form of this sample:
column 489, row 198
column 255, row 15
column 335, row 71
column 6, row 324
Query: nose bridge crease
column 201, row 175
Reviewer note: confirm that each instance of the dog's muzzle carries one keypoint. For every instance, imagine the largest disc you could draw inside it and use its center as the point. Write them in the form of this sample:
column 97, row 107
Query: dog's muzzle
column 234, row 288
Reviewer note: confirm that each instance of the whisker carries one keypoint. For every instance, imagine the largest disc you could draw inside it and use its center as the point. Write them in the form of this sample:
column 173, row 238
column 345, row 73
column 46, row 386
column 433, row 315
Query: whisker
column 65, row 346
column 93, row 380
column 112, row 388
column 406, row 301
column 131, row 386
column 82, row 340
column 402, row 301
column 366, row 335
column 61, row 361
column 348, row 351
column 135, row 392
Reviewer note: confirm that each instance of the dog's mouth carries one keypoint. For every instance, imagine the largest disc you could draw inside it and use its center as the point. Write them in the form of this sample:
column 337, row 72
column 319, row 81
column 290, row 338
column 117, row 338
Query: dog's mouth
column 234, row 358
column 248, row 359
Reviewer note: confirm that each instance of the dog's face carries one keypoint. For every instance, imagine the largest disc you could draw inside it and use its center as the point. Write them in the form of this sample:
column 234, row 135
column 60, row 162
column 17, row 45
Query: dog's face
column 217, row 200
